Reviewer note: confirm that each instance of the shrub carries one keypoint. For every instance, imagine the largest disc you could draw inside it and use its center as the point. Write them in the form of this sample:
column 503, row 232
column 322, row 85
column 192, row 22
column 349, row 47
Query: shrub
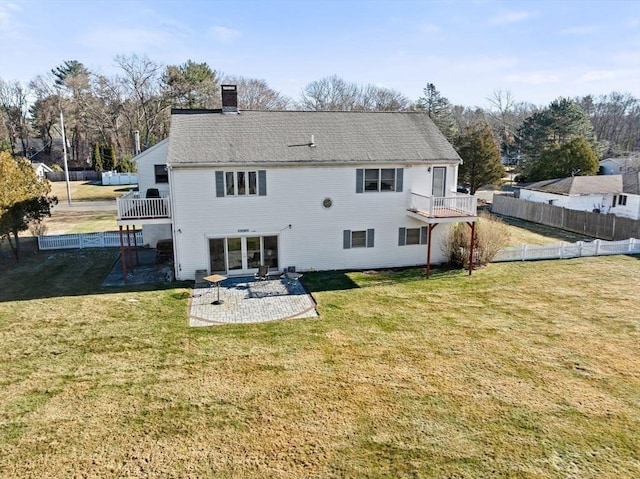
column 38, row 228
column 491, row 235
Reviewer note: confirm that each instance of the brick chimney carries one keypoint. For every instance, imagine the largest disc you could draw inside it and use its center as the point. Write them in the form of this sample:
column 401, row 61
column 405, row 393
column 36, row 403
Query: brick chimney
column 229, row 99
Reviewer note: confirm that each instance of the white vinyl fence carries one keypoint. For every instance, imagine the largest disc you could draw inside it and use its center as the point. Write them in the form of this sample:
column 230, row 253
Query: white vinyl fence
column 114, row 178
column 85, row 240
column 568, row 250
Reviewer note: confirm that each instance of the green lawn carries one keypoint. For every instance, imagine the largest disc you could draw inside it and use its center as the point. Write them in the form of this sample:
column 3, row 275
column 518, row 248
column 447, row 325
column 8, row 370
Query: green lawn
column 523, row 370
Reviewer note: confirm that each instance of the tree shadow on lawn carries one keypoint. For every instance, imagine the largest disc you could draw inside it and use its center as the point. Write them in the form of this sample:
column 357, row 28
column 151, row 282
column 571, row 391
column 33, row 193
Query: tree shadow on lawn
column 348, row 279
column 53, row 274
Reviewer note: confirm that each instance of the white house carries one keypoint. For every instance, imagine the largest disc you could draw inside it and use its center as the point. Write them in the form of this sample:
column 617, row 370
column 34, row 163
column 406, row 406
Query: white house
column 619, row 166
column 41, row 169
column 608, row 194
column 304, row 189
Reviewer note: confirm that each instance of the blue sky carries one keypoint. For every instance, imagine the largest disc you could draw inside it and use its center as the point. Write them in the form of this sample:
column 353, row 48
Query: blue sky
column 538, row 50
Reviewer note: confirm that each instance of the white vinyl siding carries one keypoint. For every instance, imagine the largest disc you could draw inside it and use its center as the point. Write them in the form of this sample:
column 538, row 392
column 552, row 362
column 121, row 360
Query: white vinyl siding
column 310, row 236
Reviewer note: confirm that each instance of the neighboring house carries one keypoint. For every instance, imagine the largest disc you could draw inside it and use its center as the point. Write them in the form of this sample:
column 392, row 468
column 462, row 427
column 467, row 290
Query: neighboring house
column 619, row 166
column 304, row 189
column 611, row 194
column 41, row 169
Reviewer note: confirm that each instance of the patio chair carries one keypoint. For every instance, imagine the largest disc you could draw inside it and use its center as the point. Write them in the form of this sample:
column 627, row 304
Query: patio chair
column 263, row 273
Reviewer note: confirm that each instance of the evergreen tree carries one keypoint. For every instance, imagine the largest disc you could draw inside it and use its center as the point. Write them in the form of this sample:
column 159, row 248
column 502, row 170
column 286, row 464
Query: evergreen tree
column 481, row 158
column 439, row 110
column 562, row 121
column 573, row 158
column 96, row 158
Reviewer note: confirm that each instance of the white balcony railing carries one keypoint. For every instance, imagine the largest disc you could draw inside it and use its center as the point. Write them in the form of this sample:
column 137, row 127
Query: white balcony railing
column 131, row 206
column 443, row 206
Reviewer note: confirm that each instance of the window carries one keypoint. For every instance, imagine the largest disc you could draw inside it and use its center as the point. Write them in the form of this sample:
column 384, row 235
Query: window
column 241, row 183
column 162, row 175
column 358, row 239
column 371, row 180
column 379, row 179
column 409, row 236
column 622, row 200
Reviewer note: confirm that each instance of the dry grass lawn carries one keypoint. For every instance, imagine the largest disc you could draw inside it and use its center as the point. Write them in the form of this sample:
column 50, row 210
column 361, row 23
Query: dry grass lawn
column 87, row 191
column 523, row 370
column 67, row 222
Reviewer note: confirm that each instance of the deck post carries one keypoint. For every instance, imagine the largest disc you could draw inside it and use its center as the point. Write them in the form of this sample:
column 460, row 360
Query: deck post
column 123, row 260
column 135, row 245
column 473, row 230
column 430, row 227
column 129, row 257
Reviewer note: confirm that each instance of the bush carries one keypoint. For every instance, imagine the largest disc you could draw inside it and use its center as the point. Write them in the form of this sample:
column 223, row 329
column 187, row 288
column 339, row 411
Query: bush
column 491, row 235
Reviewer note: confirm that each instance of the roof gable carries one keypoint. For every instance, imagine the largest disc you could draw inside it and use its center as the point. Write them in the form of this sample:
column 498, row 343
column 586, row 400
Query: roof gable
column 580, row 185
column 285, row 137
column 150, row 151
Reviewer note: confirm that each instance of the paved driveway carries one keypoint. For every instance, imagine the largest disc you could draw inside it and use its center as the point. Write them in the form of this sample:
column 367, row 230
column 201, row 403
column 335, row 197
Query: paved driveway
column 250, row 301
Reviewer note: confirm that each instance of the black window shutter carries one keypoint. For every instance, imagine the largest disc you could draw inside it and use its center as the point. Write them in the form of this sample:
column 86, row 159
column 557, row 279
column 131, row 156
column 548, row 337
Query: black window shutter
column 359, row 180
column 402, row 233
column 370, row 238
column 423, row 235
column 399, row 178
column 346, row 239
column 219, row 183
column 262, row 182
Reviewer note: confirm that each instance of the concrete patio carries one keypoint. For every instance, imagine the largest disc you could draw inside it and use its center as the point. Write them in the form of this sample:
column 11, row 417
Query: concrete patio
column 247, row 300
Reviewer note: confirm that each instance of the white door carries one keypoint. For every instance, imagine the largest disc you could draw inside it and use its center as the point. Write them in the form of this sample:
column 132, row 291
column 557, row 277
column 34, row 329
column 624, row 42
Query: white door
column 243, row 254
column 439, row 181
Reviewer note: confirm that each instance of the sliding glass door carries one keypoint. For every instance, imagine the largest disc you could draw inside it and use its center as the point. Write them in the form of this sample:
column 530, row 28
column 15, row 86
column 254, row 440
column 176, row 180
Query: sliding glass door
column 240, row 255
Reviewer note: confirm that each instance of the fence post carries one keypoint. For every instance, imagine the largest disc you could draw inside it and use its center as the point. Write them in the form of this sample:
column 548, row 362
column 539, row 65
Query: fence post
column 579, row 249
column 562, row 250
column 524, row 252
column 631, row 245
column 597, row 243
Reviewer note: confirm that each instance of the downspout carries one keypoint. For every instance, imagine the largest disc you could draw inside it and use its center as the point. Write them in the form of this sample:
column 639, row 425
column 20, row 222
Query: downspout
column 174, row 231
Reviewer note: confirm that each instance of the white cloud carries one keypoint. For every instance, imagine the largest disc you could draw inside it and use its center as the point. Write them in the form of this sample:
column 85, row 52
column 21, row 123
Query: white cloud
column 223, row 34
column 580, row 30
column 596, row 75
column 534, row 78
column 7, row 12
column 510, row 17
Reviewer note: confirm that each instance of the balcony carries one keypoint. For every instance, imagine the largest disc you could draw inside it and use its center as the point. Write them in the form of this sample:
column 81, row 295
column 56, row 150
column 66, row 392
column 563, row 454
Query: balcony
column 135, row 210
column 443, row 209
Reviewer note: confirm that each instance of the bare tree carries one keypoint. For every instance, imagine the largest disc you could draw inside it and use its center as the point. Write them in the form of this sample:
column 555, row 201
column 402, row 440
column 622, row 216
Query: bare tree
column 334, row 93
column 14, row 108
column 141, row 80
column 256, row 94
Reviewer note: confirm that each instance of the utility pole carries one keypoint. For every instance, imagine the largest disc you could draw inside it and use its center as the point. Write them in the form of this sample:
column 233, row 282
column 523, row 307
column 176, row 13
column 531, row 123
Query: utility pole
column 64, row 150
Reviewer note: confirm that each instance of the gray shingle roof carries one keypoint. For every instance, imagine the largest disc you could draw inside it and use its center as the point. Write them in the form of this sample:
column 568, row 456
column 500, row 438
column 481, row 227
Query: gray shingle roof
column 628, row 183
column 254, row 137
column 631, row 183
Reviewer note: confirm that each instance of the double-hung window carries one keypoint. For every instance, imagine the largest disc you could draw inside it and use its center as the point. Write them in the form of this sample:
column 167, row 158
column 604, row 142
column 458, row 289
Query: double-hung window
column 409, row 236
column 358, row 238
column 379, row 179
column 161, row 173
column 241, row 183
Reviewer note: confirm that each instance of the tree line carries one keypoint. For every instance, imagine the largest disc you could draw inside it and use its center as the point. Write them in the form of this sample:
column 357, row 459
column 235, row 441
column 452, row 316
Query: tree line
column 102, row 114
